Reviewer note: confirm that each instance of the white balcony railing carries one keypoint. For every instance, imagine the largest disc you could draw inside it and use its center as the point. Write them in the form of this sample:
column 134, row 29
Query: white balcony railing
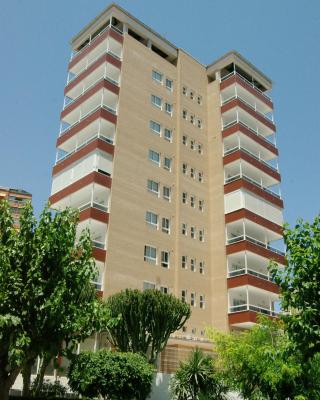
column 93, row 204
column 258, row 158
column 246, row 81
column 253, row 181
column 99, row 245
column 255, row 131
column 250, row 239
column 237, row 271
column 251, row 307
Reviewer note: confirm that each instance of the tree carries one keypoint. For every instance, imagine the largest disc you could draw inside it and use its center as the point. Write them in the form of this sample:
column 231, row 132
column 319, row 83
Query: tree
column 197, row 379
column 147, row 319
column 47, row 301
column 111, row 375
column 259, row 364
column 299, row 284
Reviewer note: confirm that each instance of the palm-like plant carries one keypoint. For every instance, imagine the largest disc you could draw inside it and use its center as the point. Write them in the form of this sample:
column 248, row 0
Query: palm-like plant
column 196, row 379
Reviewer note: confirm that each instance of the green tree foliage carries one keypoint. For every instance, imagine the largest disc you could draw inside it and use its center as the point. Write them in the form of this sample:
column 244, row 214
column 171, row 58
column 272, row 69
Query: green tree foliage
column 46, row 299
column 259, row 364
column 147, row 319
column 196, row 379
column 111, row 375
column 299, row 283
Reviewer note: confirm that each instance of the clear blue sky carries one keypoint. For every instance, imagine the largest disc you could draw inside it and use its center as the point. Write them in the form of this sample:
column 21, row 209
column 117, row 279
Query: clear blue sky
column 281, row 37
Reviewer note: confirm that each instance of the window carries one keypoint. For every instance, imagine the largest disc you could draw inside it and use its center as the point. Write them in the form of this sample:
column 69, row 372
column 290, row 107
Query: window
column 192, row 172
column 192, row 144
column 154, row 157
column 199, row 99
column 155, row 127
column 192, row 119
column 193, row 232
column 152, row 218
column 184, row 260
column 184, row 168
column 201, row 267
column 184, row 114
column 191, row 95
column 153, row 186
column 165, row 259
column 165, row 225
column 193, row 299
column 184, row 329
column 183, row 295
column 168, row 134
column 184, row 229
column 200, row 151
column 199, row 123
column 169, row 84
column 184, row 197
column 164, row 289
column 194, row 331
column 184, row 90
column 148, row 285
column 193, row 264
column 168, row 108
column 200, row 176
column 201, row 235
column 157, row 76
column 167, row 163
column 201, row 205
column 192, row 201
column 150, row 254
column 157, row 101
column 184, row 140
column 201, row 301
column 166, row 192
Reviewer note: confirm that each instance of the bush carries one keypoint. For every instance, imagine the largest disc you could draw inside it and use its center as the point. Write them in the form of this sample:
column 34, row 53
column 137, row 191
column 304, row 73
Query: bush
column 109, row 374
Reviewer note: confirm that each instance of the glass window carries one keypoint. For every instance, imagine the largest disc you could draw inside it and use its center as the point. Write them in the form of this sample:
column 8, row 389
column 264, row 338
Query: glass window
column 155, row 127
column 166, row 192
column 153, row 186
column 193, row 232
column 201, row 267
column 157, row 76
column 192, row 201
column 184, row 90
column 199, row 100
column 167, row 163
column 184, row 168
column 150, row 254
column 192, row 172
column 184, row 140
column 169, row 84
column 202, row 301
column 148, row 285
column 165, row 225
column 157, row 101
column 184, row 296
column 184, row 114
column 200, row 151
column 193, row 264
column 191, row 94
column 193, row 299
column 184, row 197
column 168, row 134
column 154, row 157
column 184, row 262
column 201, row 205
column 201, row 235
column 200, row 177
column 164, row 289
column 199, row 123
column 192, row 144
column 168, row 108
column 184, row 229
column 152, row 218
column 192, row 119
column 165, row 259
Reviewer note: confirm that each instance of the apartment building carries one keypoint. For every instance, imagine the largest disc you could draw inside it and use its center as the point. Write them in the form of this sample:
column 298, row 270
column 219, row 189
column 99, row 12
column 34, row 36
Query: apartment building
column 173, row 167
column 17, row 199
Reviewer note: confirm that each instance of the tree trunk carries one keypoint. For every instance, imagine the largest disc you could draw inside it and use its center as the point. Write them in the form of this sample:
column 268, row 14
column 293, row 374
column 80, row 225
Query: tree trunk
column 26, row 375
column 45, row 361
column 6, row 382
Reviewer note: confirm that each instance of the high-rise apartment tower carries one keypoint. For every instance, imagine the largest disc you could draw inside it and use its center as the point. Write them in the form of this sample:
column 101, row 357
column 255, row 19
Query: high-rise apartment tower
column 17, row 199
column 173, row 166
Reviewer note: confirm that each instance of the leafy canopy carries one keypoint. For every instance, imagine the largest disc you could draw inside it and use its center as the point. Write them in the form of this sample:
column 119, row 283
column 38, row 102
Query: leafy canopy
column 147, row 319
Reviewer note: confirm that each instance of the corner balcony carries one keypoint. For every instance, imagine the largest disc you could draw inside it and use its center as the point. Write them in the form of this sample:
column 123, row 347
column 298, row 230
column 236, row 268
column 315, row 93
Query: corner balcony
column 234, row 83
column 108, row 41
column 237, row 110
column 101, row 95
column 247, row 302
column 98, row 281
column 78, row 87
column 98, row 234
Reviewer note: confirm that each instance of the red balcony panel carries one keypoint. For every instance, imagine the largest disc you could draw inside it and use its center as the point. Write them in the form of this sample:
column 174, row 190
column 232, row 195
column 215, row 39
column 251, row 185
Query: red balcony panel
column 239, row 127
column 101, row 60
column 99, row 254
column 100, row 85
column 243, row 280
column 95, row 43
column 100, row 113
column 245, row 245
column 243, row 184
column 94, row 213
column 238, row 103
column 240, row 154
column 244, row 213
column 96, row 144
column 100, row 294
column 242, row 317
column 236, row 79
column 93, row 177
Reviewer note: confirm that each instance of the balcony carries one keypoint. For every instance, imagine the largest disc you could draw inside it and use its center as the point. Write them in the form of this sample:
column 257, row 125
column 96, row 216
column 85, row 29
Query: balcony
column 98, row 281
column 98, row 232
column 108, row 41
column 246, row 302
column 105, row 71
column 100, row 96
column 234, row 83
